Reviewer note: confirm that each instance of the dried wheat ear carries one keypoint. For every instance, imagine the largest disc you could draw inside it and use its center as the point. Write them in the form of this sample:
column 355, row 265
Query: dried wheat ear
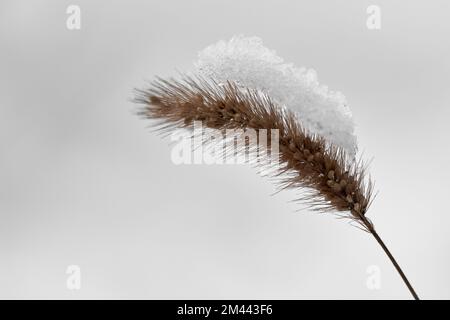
column 337, row 183
column 307, row 161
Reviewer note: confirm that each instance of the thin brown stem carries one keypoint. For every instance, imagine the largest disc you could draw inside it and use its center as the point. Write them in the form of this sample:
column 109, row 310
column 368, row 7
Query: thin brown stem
column 399, row 270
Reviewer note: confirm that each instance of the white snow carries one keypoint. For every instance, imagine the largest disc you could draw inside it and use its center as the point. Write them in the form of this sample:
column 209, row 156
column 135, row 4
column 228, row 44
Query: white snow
column 248, row 62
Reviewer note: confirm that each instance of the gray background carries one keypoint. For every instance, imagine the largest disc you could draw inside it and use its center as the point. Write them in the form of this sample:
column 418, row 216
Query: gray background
column 84, row 182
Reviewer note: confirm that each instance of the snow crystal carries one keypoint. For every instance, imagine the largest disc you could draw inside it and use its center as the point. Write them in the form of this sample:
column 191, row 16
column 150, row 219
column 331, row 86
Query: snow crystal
column 248, row 62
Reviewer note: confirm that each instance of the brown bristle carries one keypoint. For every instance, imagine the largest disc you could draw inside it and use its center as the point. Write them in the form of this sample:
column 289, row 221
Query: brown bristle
column 339, row 182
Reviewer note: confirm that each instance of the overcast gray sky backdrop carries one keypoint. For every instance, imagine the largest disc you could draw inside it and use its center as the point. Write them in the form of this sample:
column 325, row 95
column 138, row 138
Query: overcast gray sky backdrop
column 83, row 181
